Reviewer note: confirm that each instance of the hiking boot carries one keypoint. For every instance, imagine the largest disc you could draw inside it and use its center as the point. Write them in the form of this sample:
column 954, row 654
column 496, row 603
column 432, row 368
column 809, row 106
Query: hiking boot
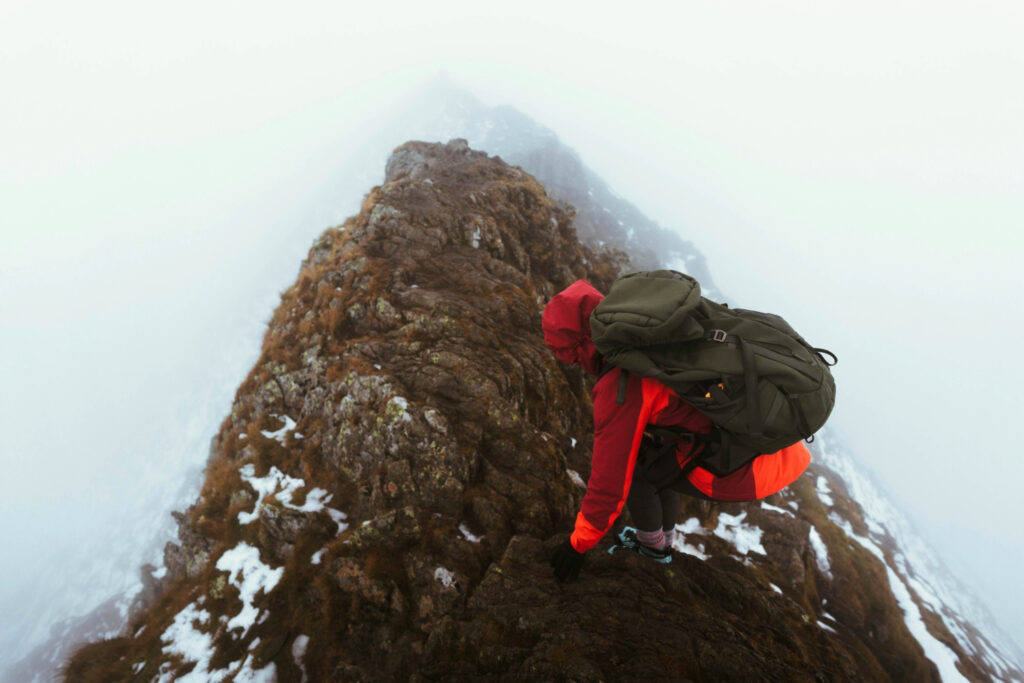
column 626, row 540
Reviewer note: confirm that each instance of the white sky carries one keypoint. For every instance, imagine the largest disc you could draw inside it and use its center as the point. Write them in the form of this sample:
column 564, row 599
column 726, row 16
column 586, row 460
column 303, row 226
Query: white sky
column 857, row 168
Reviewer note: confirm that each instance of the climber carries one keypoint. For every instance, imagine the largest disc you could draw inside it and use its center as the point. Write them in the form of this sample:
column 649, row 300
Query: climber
column 633, row 464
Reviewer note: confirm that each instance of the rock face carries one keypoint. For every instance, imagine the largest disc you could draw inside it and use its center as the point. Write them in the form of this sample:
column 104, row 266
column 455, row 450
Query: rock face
column 405, row 455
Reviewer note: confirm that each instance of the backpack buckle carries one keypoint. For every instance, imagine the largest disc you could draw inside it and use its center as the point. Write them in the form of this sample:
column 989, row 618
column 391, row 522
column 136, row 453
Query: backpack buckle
column 717, row 335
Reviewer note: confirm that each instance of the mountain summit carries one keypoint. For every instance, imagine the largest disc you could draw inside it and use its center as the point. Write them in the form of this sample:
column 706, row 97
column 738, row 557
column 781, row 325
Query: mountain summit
column 403, row 458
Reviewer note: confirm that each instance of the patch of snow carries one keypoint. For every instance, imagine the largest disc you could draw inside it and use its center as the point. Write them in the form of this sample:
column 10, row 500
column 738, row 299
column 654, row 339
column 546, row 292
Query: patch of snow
column 289, row 425
column 825, row 626
column 476, row 237
column 943, row 657
column 574, row 442
column 575, row 478
column 159, row 573
column 299, row 646
column 377, row 366
column 464, row 530
column 745, row 538
column 824, row 492
column 446, row 578
column 318, row 556
column 250, row 576
column 401, row 408
column 339, row 518
column 820, row 552
column 243, row 435
column 138, row 667
column 276, row 482
column 781, row 511
column 182, row 638
column 793, row 504
column 776, row 589
column 691, row 526
column 679, row 544
column 246, row 674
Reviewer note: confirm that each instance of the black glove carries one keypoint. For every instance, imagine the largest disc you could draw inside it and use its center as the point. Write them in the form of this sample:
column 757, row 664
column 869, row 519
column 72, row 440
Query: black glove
column 567, row 562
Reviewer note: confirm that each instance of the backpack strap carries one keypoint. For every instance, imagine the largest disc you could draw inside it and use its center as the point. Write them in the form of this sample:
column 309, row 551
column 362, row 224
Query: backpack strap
column 750, row 380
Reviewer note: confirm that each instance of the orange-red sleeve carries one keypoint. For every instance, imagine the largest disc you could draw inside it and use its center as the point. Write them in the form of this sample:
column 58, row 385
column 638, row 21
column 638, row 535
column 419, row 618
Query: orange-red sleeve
column 618, row 430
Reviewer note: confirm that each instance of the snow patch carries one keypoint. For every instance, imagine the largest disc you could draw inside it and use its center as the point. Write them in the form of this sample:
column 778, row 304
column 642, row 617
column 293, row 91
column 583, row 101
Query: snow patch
column 246, row 674
column 289, row 425
column 299, row 646
column 776, row 588
column 159, row 573
column 182, row 638
column 445, row 576
column 476, row 237
column 824, row 492
column 574, row 442
column 679, row 544
column 468, row 535
column 745, row 538
column 318, row 556
column 935, row 650
column 781, row 511
column 250, row 576
column 399, row 407
column 820, row 552
column 276, row 482
column 823, row 625
column 575, row 478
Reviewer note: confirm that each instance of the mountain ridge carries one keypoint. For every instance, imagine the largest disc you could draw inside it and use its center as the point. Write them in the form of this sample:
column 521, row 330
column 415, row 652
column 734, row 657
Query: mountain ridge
column 403, row 380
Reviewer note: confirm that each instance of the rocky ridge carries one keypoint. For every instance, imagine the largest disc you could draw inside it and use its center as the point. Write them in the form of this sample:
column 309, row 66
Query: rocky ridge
column 381, row 502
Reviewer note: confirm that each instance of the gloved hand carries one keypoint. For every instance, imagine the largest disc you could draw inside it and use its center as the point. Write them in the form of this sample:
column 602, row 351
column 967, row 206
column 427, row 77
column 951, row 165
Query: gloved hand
column 567, row 562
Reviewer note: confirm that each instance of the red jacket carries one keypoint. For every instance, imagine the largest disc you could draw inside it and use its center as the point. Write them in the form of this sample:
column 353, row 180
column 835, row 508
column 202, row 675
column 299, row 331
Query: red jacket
column 619, row 428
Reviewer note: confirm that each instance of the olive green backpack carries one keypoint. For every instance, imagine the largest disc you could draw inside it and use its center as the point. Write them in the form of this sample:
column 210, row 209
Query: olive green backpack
column 762, row 386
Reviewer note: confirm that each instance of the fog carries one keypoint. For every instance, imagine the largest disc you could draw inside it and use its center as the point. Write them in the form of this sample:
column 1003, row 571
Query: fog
column 163, row 171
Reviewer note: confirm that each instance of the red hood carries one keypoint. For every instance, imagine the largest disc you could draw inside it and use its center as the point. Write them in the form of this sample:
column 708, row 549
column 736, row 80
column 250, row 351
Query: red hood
column 566, row 325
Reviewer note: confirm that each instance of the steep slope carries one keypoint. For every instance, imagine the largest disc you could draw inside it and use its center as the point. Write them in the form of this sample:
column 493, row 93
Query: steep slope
column 404, row 456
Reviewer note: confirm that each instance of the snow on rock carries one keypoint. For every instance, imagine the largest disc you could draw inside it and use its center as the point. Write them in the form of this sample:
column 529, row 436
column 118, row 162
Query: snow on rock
column 745, row 538
column 284, row 486
column 445, row 576
column 289, row 425
column 182, row 638
column 399, row 408
column 318, row 556
column 680, row 544
column 339, row 519
column 820, row 552
column 781, row 511
column 885, row 521
column 468, row 535
column 247, row 674
column 824, row 492
column 943, row 657
column 250, row 576
column 575, row 478
column 299, row 646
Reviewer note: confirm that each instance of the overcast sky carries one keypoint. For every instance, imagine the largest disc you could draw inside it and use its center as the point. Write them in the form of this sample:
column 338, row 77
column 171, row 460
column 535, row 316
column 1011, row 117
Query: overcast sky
column 855, row 167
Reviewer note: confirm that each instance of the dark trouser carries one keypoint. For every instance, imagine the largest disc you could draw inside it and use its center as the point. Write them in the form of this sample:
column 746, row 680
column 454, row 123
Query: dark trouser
column 651, row 509
column 657, row 484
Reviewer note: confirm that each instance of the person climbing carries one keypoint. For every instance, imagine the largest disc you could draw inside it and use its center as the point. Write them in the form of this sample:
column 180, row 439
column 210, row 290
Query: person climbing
column 639, row 459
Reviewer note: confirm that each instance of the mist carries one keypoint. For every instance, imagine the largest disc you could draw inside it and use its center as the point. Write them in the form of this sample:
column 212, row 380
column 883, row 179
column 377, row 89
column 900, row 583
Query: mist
column 164, row 170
